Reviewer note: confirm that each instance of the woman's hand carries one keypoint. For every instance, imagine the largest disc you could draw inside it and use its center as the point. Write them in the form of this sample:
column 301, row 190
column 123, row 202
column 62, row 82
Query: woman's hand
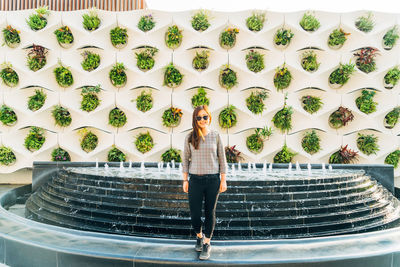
column 185, row 186
column 222, row 186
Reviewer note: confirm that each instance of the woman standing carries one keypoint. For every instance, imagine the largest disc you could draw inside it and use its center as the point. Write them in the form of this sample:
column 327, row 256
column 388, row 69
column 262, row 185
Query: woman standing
column 204, row 162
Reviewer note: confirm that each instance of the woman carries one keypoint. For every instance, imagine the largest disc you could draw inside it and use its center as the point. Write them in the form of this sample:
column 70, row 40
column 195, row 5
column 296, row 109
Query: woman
column 204, row 162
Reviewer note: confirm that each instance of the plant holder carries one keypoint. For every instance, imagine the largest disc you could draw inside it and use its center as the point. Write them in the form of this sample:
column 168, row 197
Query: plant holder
column 258, row 150
column 335, row 47
column 200, row 70
column 176, row 124
column 121, row 46
column 172, row 46
column 387, row 85
column 386, row 47
column 66, row 46
column 335, row 85
column 12, row 45
column 224, row 46
column 118, row 85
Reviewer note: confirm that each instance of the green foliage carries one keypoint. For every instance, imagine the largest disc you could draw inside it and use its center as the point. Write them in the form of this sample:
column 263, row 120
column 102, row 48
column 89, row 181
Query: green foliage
column 282, row 78
column 59, row 154
column 367, row 143
column 37, row 57
column 390, row 38
column 200, row 61
column 39, row 20
column 344, row 156
column 200, row 21
column 311, row 104
column 36, row 101
column 255, row 22
column 171, row 154
column 392, row 117
column 91, row 21
column 284, row 156
column 35, row 139
column 200, row 98
column 232, row 154
column 144, row 101
column 311, row 142
column 309, row 22
column 118, row 36
column 9, row 76
column 61, row 116
column 309, row 61
column 340, row 117
column 366, row 59
column 365, row 23
column 116, row 155
column 337, row 37
column 88, row 140
column 392, row 76
column 227, row 77
column 11, row 36
column 283, row 37
column 255, row 61
column 90, row 100
column 144, row 142
column 227, row 117
column 64, row 35
column 227, row 38
column 365, row 102
column 117, row 75
column 255, row 102
column 255, row 142
column 341, row 75
column 90, row 61
column 116, row 117
column 172, row 117
column 7, row 156
column 283, row 119
column 64, row 76
column 393, row 158
column 144, row 59
column 7, row 115
column 146, row 23
column 173, row 37
column 172, row 76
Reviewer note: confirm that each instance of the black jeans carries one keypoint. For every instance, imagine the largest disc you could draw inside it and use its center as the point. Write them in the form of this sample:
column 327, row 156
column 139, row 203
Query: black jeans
column 203, row 187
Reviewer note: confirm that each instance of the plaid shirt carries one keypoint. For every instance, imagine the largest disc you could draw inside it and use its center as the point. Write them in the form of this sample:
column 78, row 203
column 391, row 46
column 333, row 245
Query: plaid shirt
column 208, row 159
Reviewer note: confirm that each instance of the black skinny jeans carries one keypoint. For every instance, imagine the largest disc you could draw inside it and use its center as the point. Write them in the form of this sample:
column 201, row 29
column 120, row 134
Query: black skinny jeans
column 203, row 187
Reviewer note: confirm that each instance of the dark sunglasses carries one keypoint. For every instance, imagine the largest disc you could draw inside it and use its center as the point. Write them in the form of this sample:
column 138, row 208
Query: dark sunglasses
column 205, row 117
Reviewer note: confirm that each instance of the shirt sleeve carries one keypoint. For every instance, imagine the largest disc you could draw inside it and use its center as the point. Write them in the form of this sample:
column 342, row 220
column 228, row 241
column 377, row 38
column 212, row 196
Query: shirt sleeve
column 186, row 155
column 221, row 155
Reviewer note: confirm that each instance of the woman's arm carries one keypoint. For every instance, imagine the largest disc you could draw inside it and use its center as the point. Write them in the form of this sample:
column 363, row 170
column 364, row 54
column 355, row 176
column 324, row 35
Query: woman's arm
column 185, row 164
column 222, row 164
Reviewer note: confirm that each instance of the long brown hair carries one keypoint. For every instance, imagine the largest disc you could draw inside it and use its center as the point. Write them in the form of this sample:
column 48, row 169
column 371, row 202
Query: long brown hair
column 194, row 138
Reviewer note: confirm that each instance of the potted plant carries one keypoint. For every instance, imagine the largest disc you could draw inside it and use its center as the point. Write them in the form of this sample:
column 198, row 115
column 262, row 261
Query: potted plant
column 200, row 98
column 227, row 117
column 337, row 38
column 200, row 21
column 172, row 76
column 365, row 103
column 144, row 59
column 200, row 61
column 39, row 20
column 365, row 23
column 172, row 117
column 91, row 20
column 61, row 116
column 392, row 118
column 117, row 117
column 232, row 154
column 340, row 117
column 64, row 36
column 343, row 156
column 37, row 57
column 283, row 119
column 116, row 155
column 59, row 154
column 8, row 75
column 283, row 37
column 366, row 59
column 227, row 38
column 8, row 116
column 391, row 78
column 254, row 61
column 35, row 139
column 171, row 154
column 7, row 156
column 173, row 37
column 309, row 61
column 117, row 75
column 341, row 75
column 255, row 22
column 255, row 102
column 90, row 61
column 311, row 142
column 227, row 77
column 36, row 101
column 284, row 156
column 309, row 22
column 282, row 77
column 311, row 104
column 390, row 38
column 63, row 75
column 90, row 100
column 11, row 36
column 88, row 140
column 144, row 101
column 367, row 143
column 144, row 142
column 255, row 142
column 393, row 158
column 119, row 37
column 146, row 23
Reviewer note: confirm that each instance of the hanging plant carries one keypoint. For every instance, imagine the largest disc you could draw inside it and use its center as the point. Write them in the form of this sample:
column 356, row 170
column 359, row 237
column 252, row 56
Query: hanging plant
column 8, row 116
column 311, row 104
column 365, row 23
column 283, row 37
column 119, row 37
column 309, row 22
column 309, row 61
column 145, row 60
column 200, row 21
column 390, row 38
column 117, row 117
column 116, row 155
column 36, row 101
column 35, row 139
column 311, row 142
column 59, row 154
column 341, row 75
column 255, row 102
column 37, row 57
column 255, row 61
column 284, row 156
column 392, row 118
column 9, row 76
column 172, row 76
column 227, row 77
column 232, row 154
column 337, row 38
column 200, row 98
column 173, row 37
column 64, row 76
column 391, row 78
column 172, row 117
column 39, row 20
column 146, row 23
column 61, row 116
column 283, row 119
column 340, row 117
column 90, row 61
column 282, row 78
column 7, row 156
column 144, row 101
column 171, row 154
column 11, row 36
column 343, row 156
column 366, row 59
column 365, row 103
column 255, row 142
column 367, row 143
column 255, row 22
column 227, row 38
column 393, row 158
column 64, row 36
column 91, row 20
column 88, row 140
column 90, row 100
column 117, row 75
column 200, row 61
column 144, row 142
column 227, row 117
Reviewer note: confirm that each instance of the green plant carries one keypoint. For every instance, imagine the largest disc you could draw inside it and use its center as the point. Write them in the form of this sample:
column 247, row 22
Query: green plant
column 144, row 101
column 11, row 36
column 227, row 77
column 146, row 23
column 255, row 102
column 171, row 154
column 367, row 143
column 365, row 23
column 90, row 61
column 309, row 61
column 172, row 76
column 227, row 38
column 227, row 117
column 64, row 35
column 200, row 61
column 116, row 117
column 7, row 115
column 255, row 22
column 172, row 117
column 35, row 139
column 39, row 20
column 118, row 36
column 341, row 75
column 36, row 101
column 117, row 75
column 284, row 156
column 344, row 156
column 90, row 100
column 144, row 142
column 283, row 119
column 392, row 77
column 283, row 37
column 309, row 22
column 88, row 140
column 59, row 154
column 365, row 103
column 37, row 57
column 173, row 37
column 9, row 76
column 64, row 76
column 91, row 21
column 255, row 61
column 340, row 117
column 392, row 117
column 7, row 156
column 61, row 116
column 200, row 98
column 116, row 155
column 366, row 59
column 311, row 104
column 311, row 142
column 232, row 154
column 393, row 158
column 200, row 21
column 390, row 38
column 337, row 37
column 255, row 142
column 282, row 78
column 144, row 59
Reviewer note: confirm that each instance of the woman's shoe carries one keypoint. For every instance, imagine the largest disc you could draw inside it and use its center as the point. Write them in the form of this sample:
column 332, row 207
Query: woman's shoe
column 205, row 252
column 199, row 243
